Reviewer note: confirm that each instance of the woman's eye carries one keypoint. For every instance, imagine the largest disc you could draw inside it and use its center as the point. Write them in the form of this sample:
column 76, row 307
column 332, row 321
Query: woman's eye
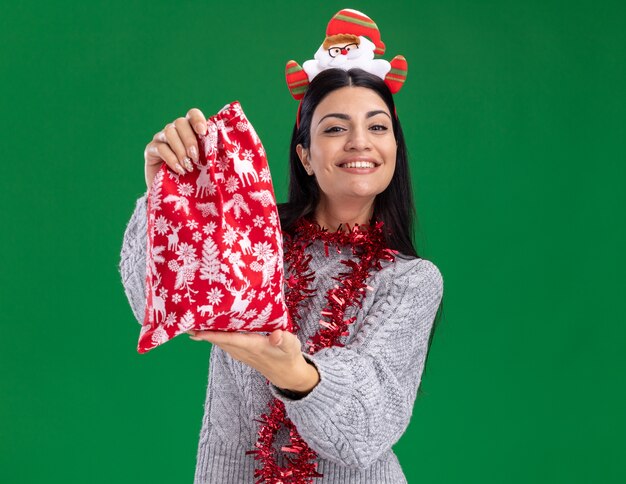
column 333, row 129
column 379, row 127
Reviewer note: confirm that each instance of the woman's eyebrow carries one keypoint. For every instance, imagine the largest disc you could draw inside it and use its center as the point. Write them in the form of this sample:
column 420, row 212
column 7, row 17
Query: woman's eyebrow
column 374, row 113
column 335, row 115
column 346, row 117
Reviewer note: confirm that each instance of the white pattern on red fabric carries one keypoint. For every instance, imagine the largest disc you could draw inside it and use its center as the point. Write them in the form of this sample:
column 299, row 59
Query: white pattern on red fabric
column 214, row 241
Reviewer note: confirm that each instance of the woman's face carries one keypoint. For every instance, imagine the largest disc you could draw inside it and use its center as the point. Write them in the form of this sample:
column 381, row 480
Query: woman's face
column 353, row 148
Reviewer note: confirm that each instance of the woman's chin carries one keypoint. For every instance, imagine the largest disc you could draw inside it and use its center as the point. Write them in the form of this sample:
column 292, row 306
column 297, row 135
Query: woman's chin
column 363, row 191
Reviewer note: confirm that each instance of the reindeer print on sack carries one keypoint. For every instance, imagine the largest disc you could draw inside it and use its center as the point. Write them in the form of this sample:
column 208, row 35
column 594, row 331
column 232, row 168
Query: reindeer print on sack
column 204, row 185
column 239, row 304
column 243, row 165
column 214, row 241
column 244, row 241
column 158, row 303
column 172, row 239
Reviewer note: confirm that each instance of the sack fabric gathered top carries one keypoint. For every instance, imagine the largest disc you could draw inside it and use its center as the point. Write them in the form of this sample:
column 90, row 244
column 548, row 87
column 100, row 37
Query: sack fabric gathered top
column 214, row 244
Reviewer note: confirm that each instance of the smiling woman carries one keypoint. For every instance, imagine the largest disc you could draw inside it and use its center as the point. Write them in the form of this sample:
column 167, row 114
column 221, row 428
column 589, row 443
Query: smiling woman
column 352, row 155
column 337, row 393
column 350, row 116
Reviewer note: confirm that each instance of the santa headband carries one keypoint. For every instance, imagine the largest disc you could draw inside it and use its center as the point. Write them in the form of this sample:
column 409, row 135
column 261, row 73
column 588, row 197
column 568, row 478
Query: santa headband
column 352, row 40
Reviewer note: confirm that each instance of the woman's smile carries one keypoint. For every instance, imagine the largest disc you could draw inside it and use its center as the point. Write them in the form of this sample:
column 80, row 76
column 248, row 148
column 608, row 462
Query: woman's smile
column 359, row 164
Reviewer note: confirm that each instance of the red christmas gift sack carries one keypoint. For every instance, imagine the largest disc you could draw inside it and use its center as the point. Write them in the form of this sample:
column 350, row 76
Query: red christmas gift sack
column 214, row 245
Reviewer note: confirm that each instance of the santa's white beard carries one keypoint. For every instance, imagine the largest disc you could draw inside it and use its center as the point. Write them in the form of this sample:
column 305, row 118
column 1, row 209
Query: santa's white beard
column 338, row 61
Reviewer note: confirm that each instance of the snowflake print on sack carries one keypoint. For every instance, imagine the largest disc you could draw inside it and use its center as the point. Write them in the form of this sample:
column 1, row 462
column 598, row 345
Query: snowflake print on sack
column 223, row 163
column 161, row 225
column 232, row 184
column 265, row 174
column 215, row 296
column 185, row 189
column 214, row 243
column 170, row 320
column 230, row 236
column 258, row 221
column 263, row 251
column 209, row 228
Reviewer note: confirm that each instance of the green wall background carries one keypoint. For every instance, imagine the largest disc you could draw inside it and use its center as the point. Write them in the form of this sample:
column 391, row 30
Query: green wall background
column 514, row 115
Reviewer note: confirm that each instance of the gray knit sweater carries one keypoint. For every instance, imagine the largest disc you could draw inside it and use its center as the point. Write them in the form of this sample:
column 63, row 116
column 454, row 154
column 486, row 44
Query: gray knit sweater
column 364, row 400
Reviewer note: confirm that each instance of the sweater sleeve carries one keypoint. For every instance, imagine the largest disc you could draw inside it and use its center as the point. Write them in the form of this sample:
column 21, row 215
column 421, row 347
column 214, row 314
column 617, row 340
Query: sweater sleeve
column 364, row 400
column 132, row 266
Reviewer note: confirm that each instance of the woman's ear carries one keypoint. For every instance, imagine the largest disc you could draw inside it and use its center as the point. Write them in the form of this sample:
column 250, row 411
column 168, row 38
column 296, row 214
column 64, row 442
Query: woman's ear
column 303, row 154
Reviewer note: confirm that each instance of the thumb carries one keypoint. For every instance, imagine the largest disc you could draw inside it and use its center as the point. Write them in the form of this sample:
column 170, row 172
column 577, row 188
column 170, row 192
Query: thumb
column 276, row 338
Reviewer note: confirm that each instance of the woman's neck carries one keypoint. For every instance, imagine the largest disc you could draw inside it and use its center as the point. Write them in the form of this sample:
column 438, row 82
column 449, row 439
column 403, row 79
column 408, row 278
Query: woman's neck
column 332, row 214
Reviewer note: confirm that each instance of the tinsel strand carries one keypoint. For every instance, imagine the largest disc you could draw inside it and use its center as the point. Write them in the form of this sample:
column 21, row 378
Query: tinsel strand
column 369, row 246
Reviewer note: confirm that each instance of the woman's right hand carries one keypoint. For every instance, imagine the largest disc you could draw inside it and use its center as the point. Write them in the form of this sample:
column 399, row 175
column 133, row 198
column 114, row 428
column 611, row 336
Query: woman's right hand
column 175, row 145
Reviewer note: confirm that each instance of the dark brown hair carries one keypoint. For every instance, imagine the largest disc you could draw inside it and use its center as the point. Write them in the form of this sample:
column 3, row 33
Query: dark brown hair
column 394, row 206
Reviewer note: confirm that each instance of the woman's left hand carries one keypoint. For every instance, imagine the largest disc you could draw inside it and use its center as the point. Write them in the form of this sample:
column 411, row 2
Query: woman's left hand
column 277, row 356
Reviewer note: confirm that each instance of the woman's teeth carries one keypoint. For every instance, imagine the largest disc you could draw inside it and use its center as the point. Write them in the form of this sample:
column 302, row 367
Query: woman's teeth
column 359, row 164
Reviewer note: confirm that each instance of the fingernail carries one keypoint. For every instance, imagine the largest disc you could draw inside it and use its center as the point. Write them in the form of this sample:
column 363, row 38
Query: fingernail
column 180, row 169
column 193, row 152
column 195, row 338
column 201, row 128
column 187, row 163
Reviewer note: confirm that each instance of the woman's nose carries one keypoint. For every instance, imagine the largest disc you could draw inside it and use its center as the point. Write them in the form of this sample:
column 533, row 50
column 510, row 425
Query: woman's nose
column 358, row 140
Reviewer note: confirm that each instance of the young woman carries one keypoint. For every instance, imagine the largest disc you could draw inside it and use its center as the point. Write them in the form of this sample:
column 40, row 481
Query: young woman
column 351, row 399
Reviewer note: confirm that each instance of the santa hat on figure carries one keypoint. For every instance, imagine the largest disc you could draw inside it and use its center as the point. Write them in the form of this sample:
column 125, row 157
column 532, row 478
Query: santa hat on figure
column 352, row 40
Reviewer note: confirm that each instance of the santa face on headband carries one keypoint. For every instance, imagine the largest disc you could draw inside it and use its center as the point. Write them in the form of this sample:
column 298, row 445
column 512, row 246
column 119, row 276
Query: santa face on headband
column 346, row 51
column 352, row 40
